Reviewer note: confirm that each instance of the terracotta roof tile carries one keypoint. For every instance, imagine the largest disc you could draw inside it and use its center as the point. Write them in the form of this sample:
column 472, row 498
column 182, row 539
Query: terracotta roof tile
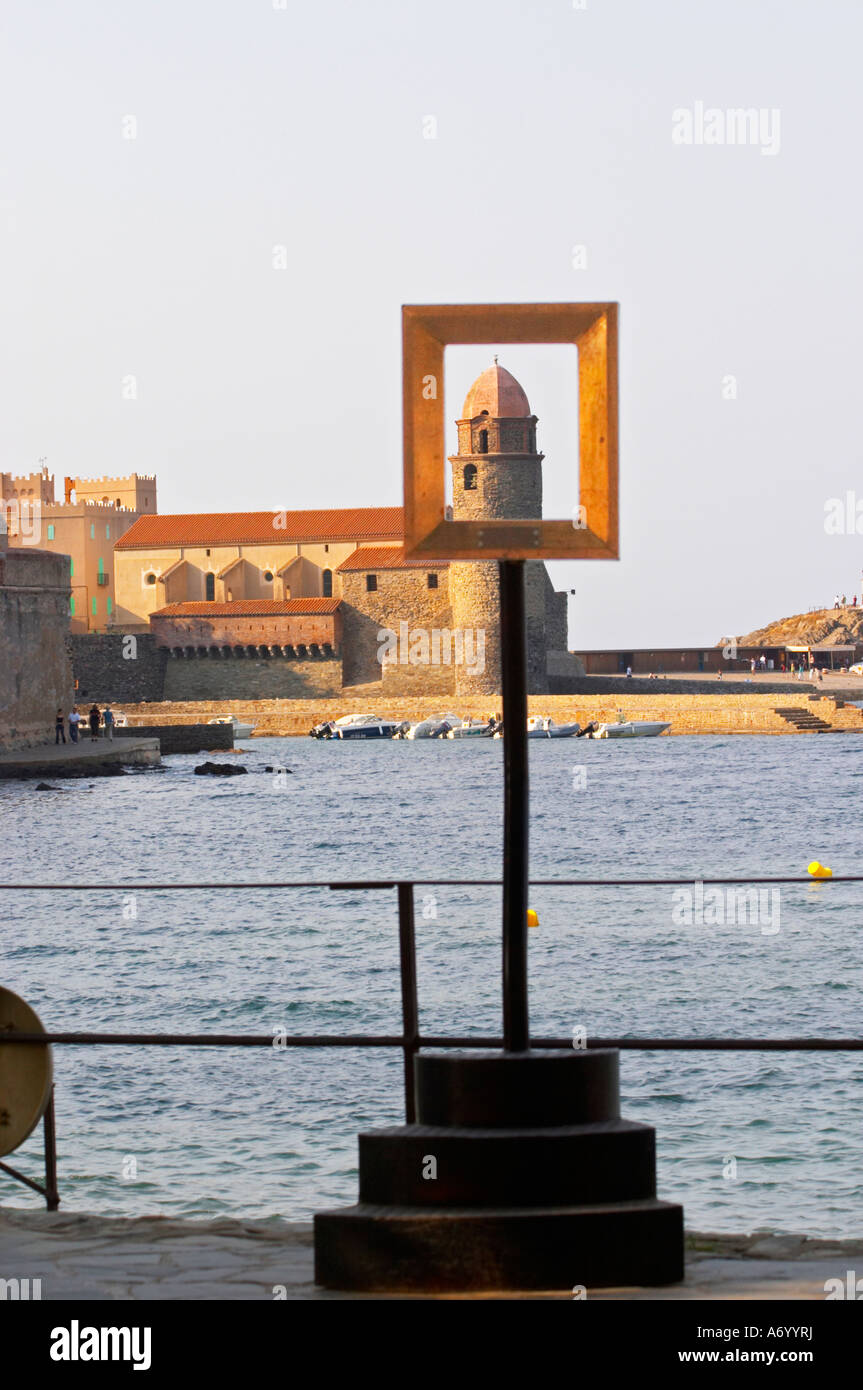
column 249, row 528
column 244, row 607
column 386, row 557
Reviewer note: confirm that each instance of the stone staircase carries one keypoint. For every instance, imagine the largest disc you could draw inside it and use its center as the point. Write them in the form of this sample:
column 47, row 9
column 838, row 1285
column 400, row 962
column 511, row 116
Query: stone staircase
column 804, row 721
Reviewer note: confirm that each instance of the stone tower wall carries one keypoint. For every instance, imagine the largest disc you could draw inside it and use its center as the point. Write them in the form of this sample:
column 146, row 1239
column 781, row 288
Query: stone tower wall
column 508, row 487
column 475, row 590
column 35, row 676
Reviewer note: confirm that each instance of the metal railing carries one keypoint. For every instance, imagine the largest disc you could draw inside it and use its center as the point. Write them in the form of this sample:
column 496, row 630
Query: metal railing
column 410, row 1040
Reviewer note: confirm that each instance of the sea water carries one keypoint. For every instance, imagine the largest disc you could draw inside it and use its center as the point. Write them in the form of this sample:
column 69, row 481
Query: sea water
column 744, row 1140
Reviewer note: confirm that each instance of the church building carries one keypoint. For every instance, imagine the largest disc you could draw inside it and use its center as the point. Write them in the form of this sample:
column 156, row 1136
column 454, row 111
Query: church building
column 304, row 591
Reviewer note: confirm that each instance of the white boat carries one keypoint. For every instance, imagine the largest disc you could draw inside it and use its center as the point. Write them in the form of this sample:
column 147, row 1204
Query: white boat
column 631, row 728
column 365, row 726
column 543, row 726
column 240, row 730
column 436, row 726
column 475, row 728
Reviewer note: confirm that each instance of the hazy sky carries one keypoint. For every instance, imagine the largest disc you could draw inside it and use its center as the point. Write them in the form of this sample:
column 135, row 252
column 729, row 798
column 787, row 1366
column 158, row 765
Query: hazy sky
column 303, row 126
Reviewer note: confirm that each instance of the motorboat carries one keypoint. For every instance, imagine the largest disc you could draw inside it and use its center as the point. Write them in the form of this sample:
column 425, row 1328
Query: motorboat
column 365, row 726
column 435, row 726
column 241, row 730
column 631, row 728
column 475, row 728
column 543, row 726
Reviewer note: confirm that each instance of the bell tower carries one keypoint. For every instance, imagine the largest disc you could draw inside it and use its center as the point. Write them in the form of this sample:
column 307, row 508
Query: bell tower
column 496, row 475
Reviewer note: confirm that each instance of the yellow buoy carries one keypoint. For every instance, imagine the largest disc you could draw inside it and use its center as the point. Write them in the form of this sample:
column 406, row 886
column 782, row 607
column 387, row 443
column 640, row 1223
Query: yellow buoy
column 819, row 870
column 532, row 918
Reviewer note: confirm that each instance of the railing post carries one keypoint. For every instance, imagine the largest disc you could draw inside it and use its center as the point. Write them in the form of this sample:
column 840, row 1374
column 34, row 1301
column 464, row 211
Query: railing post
column 410, row 1006
column 52, row 1195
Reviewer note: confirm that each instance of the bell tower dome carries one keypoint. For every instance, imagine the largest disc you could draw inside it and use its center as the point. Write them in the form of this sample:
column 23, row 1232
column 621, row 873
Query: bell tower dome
column 497, row 472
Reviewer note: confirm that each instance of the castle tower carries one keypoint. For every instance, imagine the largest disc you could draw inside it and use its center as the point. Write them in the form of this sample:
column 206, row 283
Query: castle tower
column 496, row 475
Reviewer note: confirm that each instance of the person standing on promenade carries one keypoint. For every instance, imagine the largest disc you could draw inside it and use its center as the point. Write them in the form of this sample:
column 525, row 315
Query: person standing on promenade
column 59, row 728
column 108, row 717
column 94, row 719
column 74, row 721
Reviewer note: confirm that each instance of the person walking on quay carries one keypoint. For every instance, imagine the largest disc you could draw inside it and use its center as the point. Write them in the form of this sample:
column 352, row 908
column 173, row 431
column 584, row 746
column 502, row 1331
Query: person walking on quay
column 108, row 717
column 94, row 718
column 59, row 728
column 74, row 721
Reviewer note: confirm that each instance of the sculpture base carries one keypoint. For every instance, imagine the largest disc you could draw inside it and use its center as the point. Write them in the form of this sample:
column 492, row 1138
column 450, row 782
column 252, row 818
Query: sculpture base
column 521, row 1176
column 457, row 1249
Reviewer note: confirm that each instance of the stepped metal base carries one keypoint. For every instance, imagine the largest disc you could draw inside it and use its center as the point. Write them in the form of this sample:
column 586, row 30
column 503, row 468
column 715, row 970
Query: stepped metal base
column 520, row 1175
column 456, row 1249
column 569, row 1166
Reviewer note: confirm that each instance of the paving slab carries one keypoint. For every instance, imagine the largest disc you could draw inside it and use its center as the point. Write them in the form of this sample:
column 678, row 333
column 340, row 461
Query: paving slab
column 95, row 1258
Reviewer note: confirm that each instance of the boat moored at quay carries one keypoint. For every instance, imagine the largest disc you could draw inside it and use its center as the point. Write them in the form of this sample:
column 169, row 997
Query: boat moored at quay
column 453, row 727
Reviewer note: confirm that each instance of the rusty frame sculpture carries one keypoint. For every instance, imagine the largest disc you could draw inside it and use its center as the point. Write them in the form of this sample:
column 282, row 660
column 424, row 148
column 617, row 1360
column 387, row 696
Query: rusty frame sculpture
column 426, row 331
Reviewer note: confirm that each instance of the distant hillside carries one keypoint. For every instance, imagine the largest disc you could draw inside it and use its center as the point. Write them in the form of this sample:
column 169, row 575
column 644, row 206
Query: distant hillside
column 826, row 627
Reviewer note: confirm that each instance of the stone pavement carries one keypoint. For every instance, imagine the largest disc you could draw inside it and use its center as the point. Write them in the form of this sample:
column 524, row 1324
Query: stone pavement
column 103, row 1258
column 82, row 759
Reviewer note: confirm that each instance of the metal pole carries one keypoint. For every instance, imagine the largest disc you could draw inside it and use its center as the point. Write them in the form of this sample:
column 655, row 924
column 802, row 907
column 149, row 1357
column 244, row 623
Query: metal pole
column 513, row 653
column 410, row 1007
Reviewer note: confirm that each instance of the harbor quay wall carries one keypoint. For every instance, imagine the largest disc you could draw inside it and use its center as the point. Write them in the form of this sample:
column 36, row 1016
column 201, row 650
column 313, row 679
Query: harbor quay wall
column 184, row 738
column 688, row 714
column 35, row 676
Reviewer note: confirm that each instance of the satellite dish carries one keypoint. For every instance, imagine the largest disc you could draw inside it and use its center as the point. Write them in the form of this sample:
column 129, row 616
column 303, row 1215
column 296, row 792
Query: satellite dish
column 26, row 1074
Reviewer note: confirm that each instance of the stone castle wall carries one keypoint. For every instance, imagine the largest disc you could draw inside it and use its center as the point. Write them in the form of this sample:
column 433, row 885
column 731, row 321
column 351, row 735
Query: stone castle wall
column 35, row 676
column 152, row 673
column 402, row 595
column 102, row 671
column 251, row 678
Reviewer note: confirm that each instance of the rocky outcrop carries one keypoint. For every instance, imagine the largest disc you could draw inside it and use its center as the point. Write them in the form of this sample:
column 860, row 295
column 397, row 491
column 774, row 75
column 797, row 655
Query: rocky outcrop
column 823, row 627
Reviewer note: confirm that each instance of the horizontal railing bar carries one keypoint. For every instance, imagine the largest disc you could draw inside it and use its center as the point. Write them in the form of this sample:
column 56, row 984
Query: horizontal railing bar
column 358, row 886
column 802, row 1044
column 206, row 1039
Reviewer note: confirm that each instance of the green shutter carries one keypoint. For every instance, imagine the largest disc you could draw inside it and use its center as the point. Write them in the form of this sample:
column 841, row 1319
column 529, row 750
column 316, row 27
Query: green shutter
column 93, row 607
column 72, row 605
column 101, row 565
column 50, row 533
column 108, row 605
column 71, row 568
